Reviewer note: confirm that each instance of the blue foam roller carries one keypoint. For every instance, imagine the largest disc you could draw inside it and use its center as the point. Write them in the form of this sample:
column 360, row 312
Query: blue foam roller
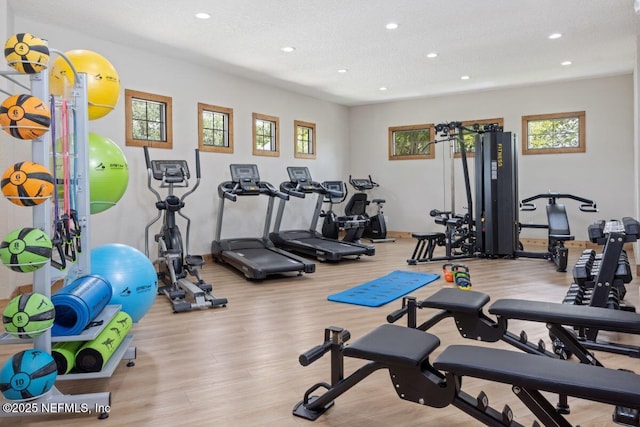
column 78, row 303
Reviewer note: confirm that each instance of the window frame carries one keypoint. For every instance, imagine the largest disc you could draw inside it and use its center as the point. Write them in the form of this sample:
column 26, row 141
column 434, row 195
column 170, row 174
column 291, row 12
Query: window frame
column 430, row 155
column 130, row 95
column 228, row 149
column 582, row 133
column 276, row 121
column 300, row 155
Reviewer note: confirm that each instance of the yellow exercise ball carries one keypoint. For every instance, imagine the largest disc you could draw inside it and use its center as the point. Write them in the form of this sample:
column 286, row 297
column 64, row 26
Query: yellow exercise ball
column 103, row 83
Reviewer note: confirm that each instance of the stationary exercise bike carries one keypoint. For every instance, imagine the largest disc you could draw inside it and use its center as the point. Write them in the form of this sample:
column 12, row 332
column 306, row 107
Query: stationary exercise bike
column 352, row 224
column 174, row 261
column 376, row 229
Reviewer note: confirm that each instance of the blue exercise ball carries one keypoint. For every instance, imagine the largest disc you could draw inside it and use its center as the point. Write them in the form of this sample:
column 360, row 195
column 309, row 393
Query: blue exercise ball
column 27, row 375
column 133, row 278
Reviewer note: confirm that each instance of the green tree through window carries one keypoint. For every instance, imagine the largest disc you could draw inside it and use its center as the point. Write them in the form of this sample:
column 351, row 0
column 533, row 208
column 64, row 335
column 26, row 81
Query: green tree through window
column 305, row 140
column 148, row 119
column 554, row 133
column 215, row 128
column 411, row 142
column 266, row 131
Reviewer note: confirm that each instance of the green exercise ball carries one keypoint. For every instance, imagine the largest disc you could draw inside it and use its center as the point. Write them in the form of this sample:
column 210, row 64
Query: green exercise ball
column 108, row 173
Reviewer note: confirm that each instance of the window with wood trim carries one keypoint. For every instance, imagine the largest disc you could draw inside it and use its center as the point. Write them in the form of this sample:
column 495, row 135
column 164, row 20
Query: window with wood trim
column 469, row 137
column 148, row 119
column 305, row 140
column 215, row 128
column 266, row 135
column 411, row 142
column 554, row 133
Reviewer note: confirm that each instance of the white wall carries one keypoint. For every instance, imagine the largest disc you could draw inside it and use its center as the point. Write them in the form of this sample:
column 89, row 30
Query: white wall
column 350, row 141
column 413, row 187
column 189, row 84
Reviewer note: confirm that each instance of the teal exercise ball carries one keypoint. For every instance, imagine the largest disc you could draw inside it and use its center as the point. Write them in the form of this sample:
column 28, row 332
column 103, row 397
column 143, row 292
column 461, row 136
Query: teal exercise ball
column 133, row 278
column 27, row 375
column 108, row 173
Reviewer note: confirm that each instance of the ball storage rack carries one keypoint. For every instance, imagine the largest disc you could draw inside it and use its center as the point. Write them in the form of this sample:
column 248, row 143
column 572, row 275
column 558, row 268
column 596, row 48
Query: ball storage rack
column 98, row 403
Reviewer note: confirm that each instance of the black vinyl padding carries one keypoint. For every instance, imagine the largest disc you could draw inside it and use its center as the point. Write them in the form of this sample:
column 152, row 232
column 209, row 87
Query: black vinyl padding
column 568, row 314
column 542, row 373
column 394, row 345
column 558, row 221
column 456, row 300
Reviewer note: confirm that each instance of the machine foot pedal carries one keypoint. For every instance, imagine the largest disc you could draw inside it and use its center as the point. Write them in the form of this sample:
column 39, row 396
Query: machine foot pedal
column 300, row 410
column 217, row 302
column 179, row 307
column 626, row 416
column 205, row 287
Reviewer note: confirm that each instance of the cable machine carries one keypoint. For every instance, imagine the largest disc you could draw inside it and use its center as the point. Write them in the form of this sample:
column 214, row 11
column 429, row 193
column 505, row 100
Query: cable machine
column 490, row 226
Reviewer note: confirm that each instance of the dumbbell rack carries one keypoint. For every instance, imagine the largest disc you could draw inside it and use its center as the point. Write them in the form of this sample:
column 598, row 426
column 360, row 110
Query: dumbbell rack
column 42, row 218
column 600, row 279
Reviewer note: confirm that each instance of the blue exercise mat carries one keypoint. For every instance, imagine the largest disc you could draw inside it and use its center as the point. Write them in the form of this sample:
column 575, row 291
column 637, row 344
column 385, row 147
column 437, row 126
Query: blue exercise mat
column 384, row 289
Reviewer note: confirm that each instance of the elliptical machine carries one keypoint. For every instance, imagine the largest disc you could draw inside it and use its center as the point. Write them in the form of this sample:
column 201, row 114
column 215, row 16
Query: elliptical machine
column 376, row 229
column 174, row 261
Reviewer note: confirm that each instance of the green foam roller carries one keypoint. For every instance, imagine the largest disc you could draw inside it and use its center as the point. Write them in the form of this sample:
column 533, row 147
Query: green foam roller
column 94, row 354
column 64, row 354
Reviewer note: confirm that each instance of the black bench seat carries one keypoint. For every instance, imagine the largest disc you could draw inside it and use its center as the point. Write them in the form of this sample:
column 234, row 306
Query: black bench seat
column 534, row 372
column 567, row 314
column 456, row 300
column 394, row 345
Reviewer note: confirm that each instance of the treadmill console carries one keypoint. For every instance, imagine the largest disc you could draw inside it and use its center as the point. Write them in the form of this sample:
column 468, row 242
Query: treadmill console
column 337, row 190
column 300, row 176
column 362, row 184
column 170, row 170
column 246, row 176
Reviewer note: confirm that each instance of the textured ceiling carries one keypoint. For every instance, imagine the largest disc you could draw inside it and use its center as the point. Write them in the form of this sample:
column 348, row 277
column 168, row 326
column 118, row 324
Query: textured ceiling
column 498, row 43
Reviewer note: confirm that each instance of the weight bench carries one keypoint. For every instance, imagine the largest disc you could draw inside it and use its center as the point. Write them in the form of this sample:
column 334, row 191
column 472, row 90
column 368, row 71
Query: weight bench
column 466, row 307
column 425, row 246
column 405, row 352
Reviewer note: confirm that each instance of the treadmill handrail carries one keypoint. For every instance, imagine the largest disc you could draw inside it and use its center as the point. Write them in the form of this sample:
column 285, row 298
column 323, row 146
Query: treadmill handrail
column 268, row 189
column 292, row 189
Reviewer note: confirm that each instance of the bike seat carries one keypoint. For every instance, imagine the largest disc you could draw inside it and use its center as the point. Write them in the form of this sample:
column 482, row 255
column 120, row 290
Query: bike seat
column 378, row 201
column 194, row 260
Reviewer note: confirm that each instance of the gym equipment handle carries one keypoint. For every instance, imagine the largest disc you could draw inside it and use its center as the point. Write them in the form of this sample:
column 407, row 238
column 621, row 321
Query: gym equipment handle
column 197, row 163
column 588, row 207
column 436, row 212
column 310, row 356
column 396, row 315
column 146, row 156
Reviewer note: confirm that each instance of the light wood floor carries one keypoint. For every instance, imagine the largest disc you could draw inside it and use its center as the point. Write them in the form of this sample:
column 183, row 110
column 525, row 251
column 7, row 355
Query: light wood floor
column 238, row 366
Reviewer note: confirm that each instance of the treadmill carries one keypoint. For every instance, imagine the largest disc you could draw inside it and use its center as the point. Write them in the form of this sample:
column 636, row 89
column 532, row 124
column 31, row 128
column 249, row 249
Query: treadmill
column 256, row 258
column 310, row 242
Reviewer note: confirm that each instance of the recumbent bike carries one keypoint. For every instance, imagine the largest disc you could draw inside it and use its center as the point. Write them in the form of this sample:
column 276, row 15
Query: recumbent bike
column 174, row 261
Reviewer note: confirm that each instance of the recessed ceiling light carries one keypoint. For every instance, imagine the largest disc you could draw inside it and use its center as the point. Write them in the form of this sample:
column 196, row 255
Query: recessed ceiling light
column 288, row 49
column 555, row 36
column 342, row 70
column 203, row 15
column 432, row 55
column 383, row 88
column 465, row 78
column 391, row 26
column 565, row 63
